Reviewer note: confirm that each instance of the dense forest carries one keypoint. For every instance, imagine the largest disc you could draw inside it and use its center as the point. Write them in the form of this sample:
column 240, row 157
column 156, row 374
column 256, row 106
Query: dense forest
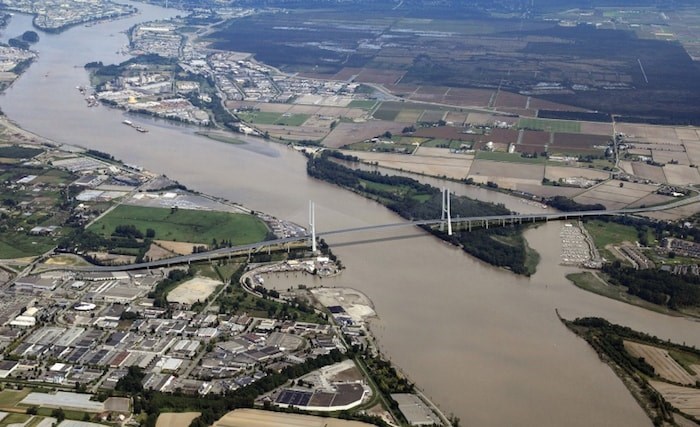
column 502, row 247
column 657, row 286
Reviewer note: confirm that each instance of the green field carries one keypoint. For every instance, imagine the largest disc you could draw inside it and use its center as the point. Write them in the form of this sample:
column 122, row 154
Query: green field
column 550, row 125
column 17, row 152
column 20, row 245
column 184, row 225
column 606, row 233
column 363, row 104
column 509, row 157
column 292, row 119
column 10, row 398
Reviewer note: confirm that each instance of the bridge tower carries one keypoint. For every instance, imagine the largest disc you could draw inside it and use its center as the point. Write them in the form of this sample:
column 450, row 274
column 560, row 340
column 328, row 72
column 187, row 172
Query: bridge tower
column 446, row 215
column 312, row 224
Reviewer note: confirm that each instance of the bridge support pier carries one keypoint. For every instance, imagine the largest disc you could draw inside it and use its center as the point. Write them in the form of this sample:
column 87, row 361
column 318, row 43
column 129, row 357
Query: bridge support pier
column 312, row 224
column 446, row 214
column 469, row 225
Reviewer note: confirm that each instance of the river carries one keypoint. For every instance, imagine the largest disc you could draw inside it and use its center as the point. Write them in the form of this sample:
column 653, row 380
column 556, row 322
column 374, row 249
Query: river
column 483, row 343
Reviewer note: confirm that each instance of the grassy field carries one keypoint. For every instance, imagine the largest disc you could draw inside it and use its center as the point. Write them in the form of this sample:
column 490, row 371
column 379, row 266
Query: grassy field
column 259, row 117
column 10, row 398
column 14, row 419
column 185, row 225
column 509, row 157
column 363, row 104
column 606, row 233
column 20, row 245
column 550, row 125
column 292, row 119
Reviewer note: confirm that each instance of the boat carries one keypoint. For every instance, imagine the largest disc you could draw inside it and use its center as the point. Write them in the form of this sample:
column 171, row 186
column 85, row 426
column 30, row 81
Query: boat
column 127, row 122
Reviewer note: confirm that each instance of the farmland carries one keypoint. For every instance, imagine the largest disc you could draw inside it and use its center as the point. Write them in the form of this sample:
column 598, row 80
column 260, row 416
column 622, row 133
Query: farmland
column 663, row 363
column 549, row 125
column 185, row 225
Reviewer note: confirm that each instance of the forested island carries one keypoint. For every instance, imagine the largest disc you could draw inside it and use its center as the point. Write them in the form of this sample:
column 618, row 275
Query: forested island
column 501, row 247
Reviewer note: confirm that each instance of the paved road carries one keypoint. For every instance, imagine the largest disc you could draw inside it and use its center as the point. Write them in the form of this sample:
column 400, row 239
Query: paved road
column 496, row 220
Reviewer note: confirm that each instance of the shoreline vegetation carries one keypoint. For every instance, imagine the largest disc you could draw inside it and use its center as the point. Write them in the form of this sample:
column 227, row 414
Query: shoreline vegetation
column 501, row 247
column 649, row 379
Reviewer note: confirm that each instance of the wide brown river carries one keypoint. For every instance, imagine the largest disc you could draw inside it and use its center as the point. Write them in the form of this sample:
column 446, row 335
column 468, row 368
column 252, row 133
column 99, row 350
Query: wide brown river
column 483, row 343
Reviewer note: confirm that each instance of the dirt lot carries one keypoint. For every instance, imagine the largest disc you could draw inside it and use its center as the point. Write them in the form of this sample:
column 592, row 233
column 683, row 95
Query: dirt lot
column 355, row 303
column 663, row 363
column 180, row 248
column 457, row 167
column 258, row 418
column 193, row 290
column 686, row 399
column 182, row 419
column 347, row 133
column 156, row 252
column 645, row 171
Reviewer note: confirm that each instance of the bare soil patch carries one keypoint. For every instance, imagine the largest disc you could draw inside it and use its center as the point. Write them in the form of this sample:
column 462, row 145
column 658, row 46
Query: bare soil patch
column 197, row 289
column 156, row 252
column 180, row 248
column 597, row 128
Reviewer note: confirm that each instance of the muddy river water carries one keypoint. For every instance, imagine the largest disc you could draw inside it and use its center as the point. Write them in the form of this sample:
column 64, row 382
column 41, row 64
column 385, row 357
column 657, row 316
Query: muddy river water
column 485, row 344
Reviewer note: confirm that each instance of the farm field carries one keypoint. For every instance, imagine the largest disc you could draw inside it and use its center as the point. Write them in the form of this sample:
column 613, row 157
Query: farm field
column 185, row 225
column 259, row 418
column 455, row 168
column 499, row 169
column 347, row 133
column 681, row 175
column 686, row 399
column 550, row 125
column 182, row 419
column 510, row 158
column 663, row 363
column 613, row 195
column 646, row 171
column 555, row 173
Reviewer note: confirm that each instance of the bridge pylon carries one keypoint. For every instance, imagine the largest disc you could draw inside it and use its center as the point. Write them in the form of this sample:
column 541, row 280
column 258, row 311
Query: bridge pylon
column 446, row 215
column 312, row 224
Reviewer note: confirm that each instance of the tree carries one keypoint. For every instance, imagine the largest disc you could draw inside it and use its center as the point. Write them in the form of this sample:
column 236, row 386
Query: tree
column 58, row 414
column 150, row 233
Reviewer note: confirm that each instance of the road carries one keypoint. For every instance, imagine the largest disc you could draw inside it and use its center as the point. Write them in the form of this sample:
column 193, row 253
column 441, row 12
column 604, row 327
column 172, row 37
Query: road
column 486, row 221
